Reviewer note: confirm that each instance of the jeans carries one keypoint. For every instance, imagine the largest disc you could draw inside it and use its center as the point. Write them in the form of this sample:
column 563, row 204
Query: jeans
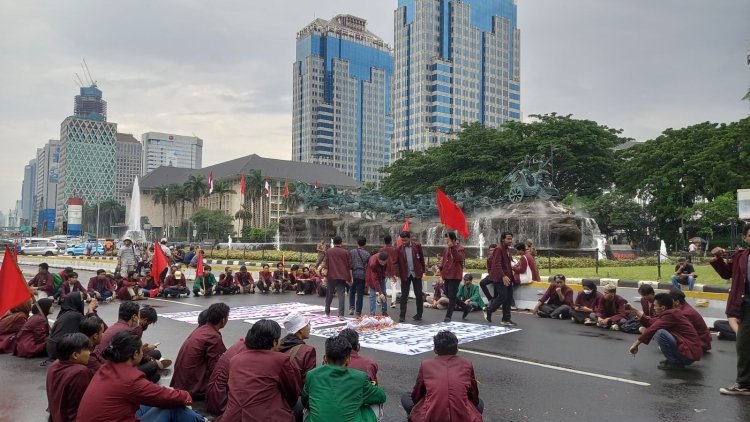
column 169, row 291
column 503, row 299
column 156, row 414
column 554, row 311
column 405, row 285
column 104, row 295
column 676, row 282
column 408, row 403
column 374, row 298
column 338, row 286
column 357, row 295
column 668, row 346
column 451, row 290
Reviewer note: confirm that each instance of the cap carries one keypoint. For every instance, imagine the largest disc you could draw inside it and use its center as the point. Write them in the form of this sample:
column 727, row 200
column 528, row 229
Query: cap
column 468, row 277
column 560, row 277
column 178, row 275
column 127, row 238
column 163, row 240
column 295, row 322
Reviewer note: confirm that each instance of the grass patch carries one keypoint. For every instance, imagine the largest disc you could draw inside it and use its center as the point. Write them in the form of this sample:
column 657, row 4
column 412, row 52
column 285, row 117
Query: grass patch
column 706, row 273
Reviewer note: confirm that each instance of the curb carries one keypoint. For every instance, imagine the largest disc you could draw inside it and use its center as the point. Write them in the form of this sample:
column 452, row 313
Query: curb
column 700, row 291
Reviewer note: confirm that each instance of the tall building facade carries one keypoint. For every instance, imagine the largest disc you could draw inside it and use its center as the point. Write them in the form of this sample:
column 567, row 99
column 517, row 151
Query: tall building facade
column 87, row 155
column 342, row 97
column 47, row 176
column 28, row 194
column 128, row 165
column 164, row 149
column 456, row 61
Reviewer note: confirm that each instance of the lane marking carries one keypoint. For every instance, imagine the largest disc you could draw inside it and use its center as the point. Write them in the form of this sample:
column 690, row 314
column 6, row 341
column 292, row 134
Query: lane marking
column 174, row 301
column 573, row 371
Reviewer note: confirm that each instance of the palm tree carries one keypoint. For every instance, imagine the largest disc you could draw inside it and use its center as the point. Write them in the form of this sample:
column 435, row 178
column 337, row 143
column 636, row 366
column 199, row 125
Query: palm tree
column 244, row 214
column 161, row 196
column 222, row 189
column 175, row 195
column 111, row 212
column 195, row 187
column 253, row 188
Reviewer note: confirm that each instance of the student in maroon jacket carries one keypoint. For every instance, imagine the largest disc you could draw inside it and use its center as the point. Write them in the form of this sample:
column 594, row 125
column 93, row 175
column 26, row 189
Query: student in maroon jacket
column 338, row 261
column 452, row 270
column 243, row 281
column 446, row 388
column 71, row 285
column 738, row 308
column 556, row 301
column 175, row 285
column 610, row 309
column 357, row 361
column 101, row 287
column 301, row 355
column 265, row 279
column 68, row 377
column 411, row 267
column 43, row 283
column 93, row 327
column 392, row 267
column 263, row 384
column 226, row 283
column 501, row 275
column 585, row 304
column 695, row 318
column 217, row 388
column 486, row 281
column 119, row 389
column 31, row 340
column 647, row 299
column 11, row 323
column 677, row 339
column 375, row 280
column 200, row 352
column 525, row 262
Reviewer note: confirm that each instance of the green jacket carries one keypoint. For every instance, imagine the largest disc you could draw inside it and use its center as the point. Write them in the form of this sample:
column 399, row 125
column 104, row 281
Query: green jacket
column 473, row 295
column 335, row 393
column 198, row 284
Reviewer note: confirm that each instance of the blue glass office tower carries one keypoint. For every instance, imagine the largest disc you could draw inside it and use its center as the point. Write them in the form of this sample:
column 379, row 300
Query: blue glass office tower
column 342, row 100
column 455, row 62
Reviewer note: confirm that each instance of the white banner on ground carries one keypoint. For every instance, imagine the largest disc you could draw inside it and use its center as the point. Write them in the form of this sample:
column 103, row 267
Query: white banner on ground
column 251, row 312
column 317, row 319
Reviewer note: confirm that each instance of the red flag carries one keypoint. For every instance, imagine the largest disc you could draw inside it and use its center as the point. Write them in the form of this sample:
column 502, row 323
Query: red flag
column 199, row 266
column 13, row 288
column 286, row 189
column 159, row 262
column 242, row 185
column 267, row 189
column 403, row 229
column 211, row 182
column 450, row 214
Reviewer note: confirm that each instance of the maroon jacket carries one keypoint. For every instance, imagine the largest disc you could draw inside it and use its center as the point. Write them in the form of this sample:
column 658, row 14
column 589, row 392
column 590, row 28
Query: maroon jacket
column 500, row 265
column 648, row 307
column 589, row 301
column 46, row 283
column 95, row 362
column 9, row 329
column 226, row 281
column 305, row 359
column 105, row 284
column 375, row 273
column 31, row 340
column 241, row 279
column 736, row 270
column 699, row 324
column 392, row 268
column 523, row 264
column 66, row 384
column 339, row 263
column 364, row 364
column 417, row 257
column 174, row 283
column 551, row 297
column 263, row 386
column 614, row 310
column 673, row 320
column 118, row 390
column 216, row 390
column 66, row 289
column 196, row 360
column 446, row 390
column 110, row 332
column 266, row 278
column 452, row 266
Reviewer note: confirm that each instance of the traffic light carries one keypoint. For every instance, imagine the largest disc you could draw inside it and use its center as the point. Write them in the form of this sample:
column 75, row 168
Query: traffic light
column 33, row 231
column 65, row 227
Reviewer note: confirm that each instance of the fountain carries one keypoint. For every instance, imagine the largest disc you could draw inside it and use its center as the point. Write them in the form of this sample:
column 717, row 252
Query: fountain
column 481, row 245
column 229, row 241
column 134, row 219
column 663, row 252
column 277, row 239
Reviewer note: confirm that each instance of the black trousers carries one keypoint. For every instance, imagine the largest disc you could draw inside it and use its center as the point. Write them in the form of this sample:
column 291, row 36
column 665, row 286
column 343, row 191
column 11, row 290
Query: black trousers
column 483, row 285
column 338, row 286
column 743, row 347
column 451, row 290
column 405, row 286
column 503, row 299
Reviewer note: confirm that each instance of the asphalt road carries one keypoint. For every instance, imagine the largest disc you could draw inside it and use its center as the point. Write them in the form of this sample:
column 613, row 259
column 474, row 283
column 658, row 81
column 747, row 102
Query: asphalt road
column 548, row 371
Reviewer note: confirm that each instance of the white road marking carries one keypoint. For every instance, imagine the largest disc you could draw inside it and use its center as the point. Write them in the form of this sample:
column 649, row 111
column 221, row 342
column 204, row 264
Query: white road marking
column 573, row 371
column 174, row 301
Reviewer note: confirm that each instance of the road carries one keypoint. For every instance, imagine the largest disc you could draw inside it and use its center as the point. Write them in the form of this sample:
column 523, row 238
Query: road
column 549, row 371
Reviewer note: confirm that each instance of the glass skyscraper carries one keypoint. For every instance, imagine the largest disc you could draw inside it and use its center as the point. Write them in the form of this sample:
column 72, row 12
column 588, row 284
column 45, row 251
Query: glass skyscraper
column 342, row 97
column 456, row 61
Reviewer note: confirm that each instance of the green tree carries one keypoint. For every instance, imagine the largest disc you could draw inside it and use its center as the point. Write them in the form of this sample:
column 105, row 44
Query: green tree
column 161, row 196
column 196, row 187
column 221, row 189
column 212, row 224
column 616, row 211
column 293, row 200
column 244, row 214
column 111, row 212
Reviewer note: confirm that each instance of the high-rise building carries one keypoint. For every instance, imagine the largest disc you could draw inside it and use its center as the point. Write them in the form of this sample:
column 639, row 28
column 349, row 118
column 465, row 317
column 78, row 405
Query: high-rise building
column 342, row 97
column 3, row 219
column 90, row 105
column 456, row 61
column 128, row 163
column 87, row 156
column 47, row 176
column 28, row 194
column 163, row 149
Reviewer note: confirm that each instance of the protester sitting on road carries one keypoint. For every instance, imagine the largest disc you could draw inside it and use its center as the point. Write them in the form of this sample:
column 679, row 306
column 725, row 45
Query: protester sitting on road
column 725, row 330
column 188, row 256
column 68, row 378
column 130, row 288
column 610, row 309
column 694, row 317
column 31, row 339
column 93, row 327
column 43, row 284
column 357, row 361
column 226, row 284
column 354, row 392
column 557, row 301
column 468, row 293
column 205, row 284
column 217, row 389
column 301, row 355
column 100, row 287
column 119, row 391
column 437, row 299
column 200, row 352
column 305, row 283
column 446, row 387
column 11, row 323
column 243, row 281
column 291, row 284
column 71, row 285
column 150, row 286
column 176, row 286
column 635, row 322
column 280, row 277
column 265, row 278
column 194, row 259
column 675, row 335
column 684, row 274
column 68, row 320
column 647, row 299
column 585, row 304
column 263, row 384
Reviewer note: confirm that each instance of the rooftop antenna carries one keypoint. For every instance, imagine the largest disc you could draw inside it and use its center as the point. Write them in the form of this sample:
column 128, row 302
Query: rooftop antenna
column 93, row 82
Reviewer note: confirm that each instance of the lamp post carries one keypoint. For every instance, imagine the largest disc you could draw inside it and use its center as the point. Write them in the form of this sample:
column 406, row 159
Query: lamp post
column 98, row 201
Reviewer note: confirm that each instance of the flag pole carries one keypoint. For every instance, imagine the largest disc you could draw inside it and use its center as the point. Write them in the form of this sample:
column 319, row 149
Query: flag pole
column 33, row 296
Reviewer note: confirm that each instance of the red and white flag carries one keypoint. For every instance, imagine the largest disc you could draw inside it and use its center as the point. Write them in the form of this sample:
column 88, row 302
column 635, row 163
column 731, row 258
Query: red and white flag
column 211, row 182
column 242, row 185
column 267, row 189
column 286, row 189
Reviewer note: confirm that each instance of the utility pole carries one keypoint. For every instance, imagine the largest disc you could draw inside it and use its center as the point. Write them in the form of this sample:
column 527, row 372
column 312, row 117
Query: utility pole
column 98, row 201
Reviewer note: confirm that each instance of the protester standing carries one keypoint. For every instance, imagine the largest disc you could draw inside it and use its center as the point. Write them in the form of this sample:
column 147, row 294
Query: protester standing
column 452, row 269
column 359, row 267
column 338, row 261
column 411, row 267
column 501, row 275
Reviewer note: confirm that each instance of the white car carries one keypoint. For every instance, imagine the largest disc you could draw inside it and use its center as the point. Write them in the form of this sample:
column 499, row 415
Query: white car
column 40, row 248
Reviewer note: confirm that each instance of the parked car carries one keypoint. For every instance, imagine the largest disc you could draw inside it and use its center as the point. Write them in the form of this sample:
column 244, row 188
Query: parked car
column 40, row 248
column 80, row 249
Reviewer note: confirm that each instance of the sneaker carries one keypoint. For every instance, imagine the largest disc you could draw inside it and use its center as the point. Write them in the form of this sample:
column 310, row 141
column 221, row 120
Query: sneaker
column 572, row 319
column 446, row 319
column 615, row 327
column 393, row 305
column 641, row 330
column 487, row 315
column 513, row 308
column 401, row 319
column 666, row 365
column 561, row 316
column 735, row 390
column 351, row 311
column 466, row 313
column 508, row 323
column 417, row 317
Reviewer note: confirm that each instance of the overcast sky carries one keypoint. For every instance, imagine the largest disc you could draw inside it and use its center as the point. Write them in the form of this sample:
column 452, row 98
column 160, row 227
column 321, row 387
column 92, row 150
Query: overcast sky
column 222, row 69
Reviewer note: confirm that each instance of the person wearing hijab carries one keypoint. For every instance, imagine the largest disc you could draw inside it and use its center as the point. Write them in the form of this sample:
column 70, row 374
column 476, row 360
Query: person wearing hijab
column 31, row 340
column 10, row 325
column 70, row 317
column 585, row 304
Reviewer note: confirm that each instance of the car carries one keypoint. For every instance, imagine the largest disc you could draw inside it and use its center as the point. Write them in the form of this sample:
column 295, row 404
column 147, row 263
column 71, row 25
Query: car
column 40, row 248
column 80, row 249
